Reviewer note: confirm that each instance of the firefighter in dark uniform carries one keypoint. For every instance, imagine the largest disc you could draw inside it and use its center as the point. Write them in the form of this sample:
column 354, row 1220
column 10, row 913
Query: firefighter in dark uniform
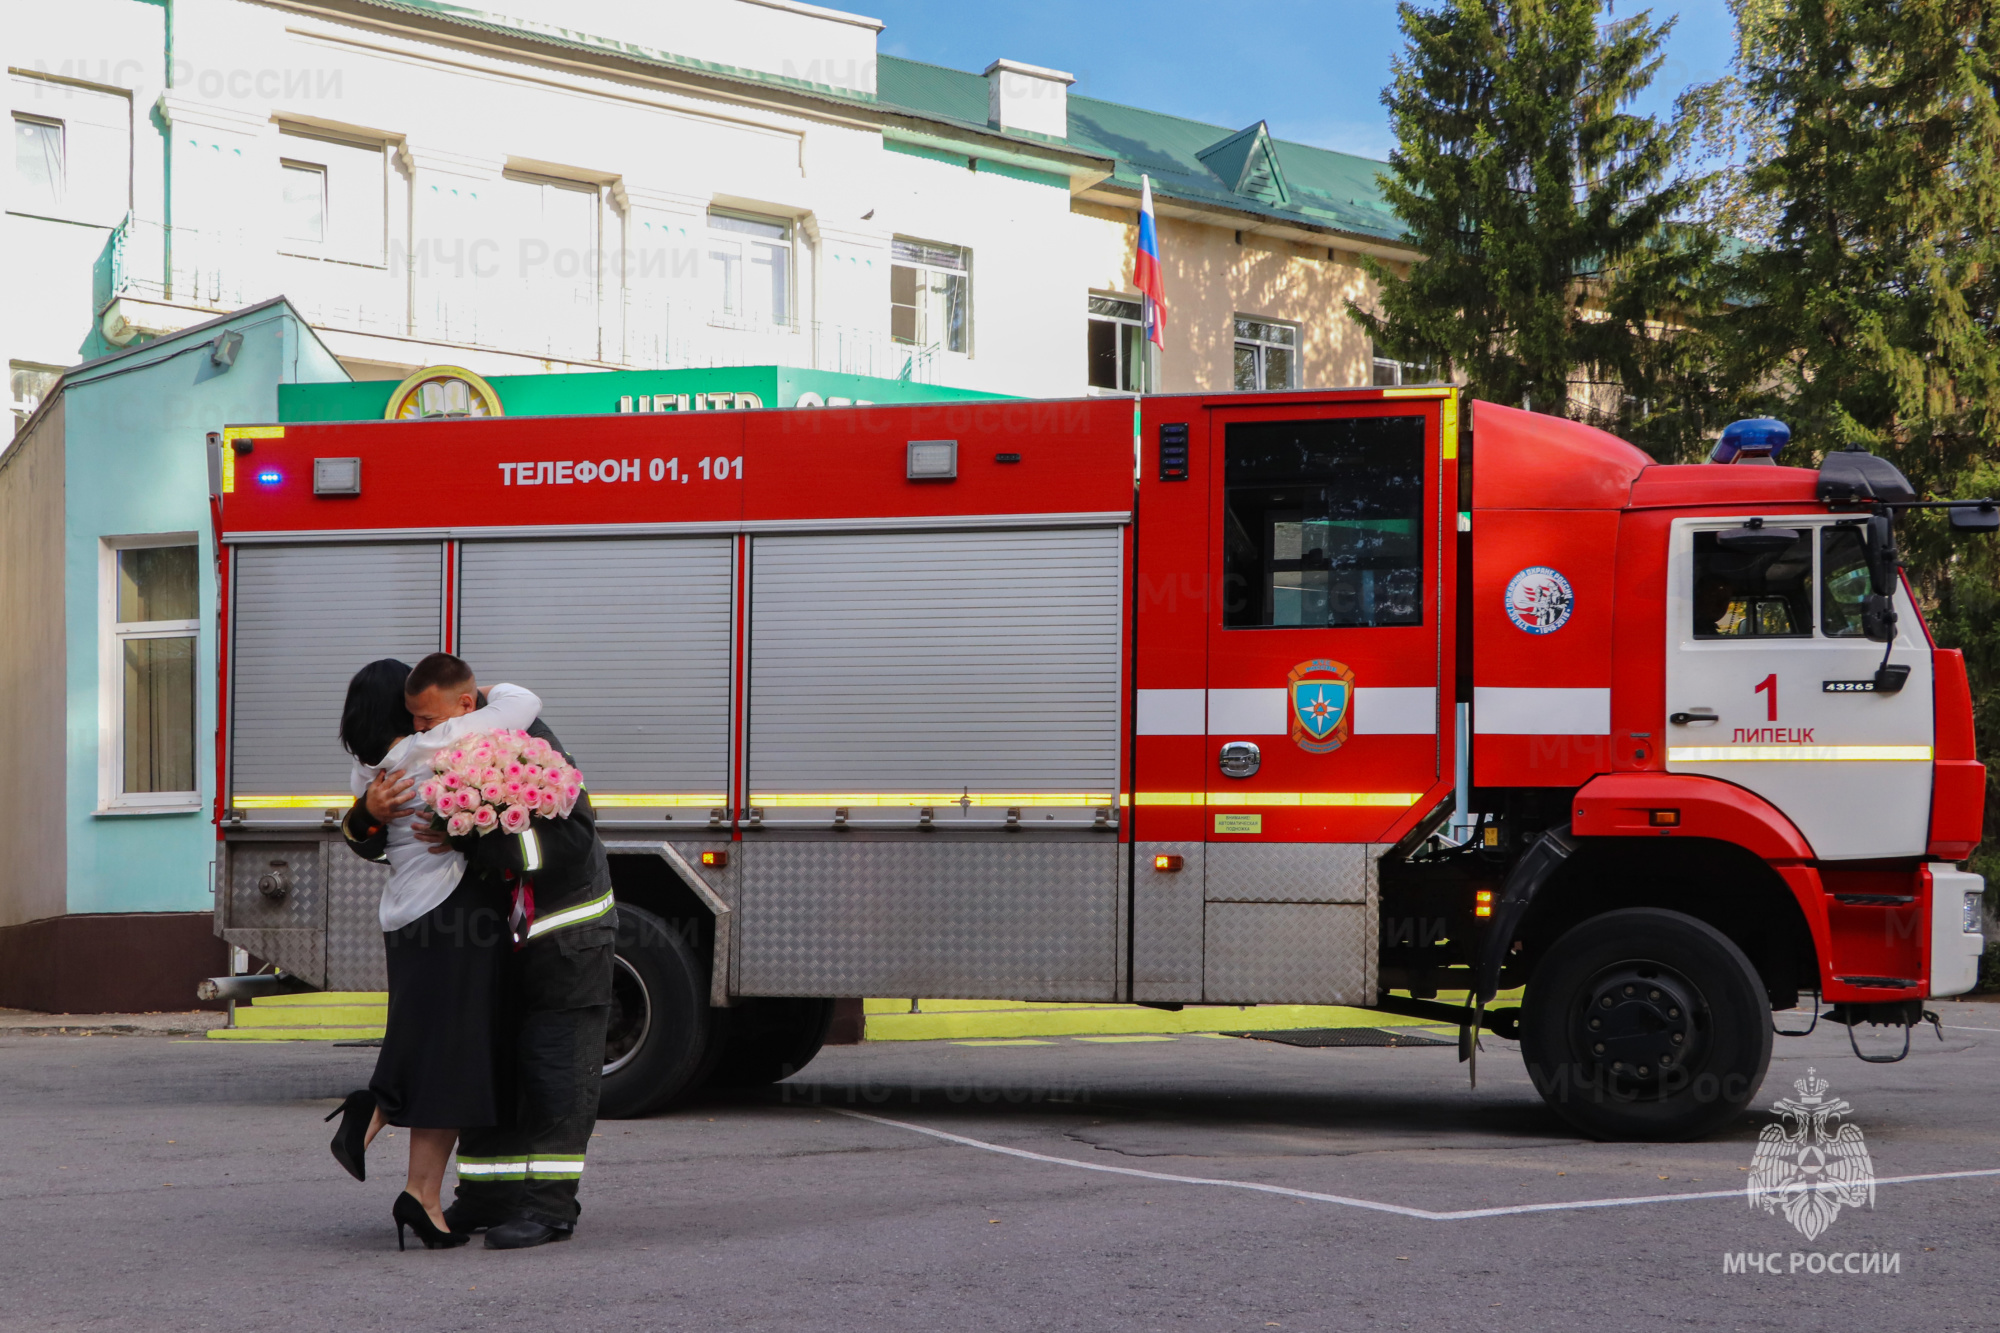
column 518, row 1180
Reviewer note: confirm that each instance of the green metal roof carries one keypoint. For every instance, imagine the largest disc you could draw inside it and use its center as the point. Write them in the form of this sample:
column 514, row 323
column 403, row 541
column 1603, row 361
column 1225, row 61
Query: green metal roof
column 1317, row 186
column 1187, row 159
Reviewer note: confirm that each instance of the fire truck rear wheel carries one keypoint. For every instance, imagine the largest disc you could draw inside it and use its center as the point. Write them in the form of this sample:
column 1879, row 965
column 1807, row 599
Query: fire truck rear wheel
column 657, row 1043
column 1646, row 1024
column 769, row 1039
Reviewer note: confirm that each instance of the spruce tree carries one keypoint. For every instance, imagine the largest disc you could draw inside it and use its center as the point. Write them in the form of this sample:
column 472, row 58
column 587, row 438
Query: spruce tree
column 1541, row 207
column 1869, row 315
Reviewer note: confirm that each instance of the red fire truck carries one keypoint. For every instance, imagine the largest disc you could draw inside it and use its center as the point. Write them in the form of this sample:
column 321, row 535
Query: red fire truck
column 1350, row 697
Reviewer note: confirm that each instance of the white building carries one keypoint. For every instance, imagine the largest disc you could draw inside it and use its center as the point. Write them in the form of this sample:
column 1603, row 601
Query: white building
column 600, row 183
column 718, row 185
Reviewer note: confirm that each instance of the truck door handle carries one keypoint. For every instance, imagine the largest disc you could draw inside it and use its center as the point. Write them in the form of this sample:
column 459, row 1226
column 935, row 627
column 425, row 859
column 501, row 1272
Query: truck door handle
column 1688, row 719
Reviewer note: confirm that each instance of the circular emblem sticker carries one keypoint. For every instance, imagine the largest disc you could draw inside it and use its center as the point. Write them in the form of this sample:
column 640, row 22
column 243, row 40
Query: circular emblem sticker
column 1539, row 600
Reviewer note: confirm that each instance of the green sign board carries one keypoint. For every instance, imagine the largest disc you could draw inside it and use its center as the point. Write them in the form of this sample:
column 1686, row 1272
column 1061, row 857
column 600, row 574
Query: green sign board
column 588, row 393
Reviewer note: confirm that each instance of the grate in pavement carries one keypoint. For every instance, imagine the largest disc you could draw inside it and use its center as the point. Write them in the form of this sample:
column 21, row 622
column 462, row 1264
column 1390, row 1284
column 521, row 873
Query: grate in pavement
column 1343, row 1037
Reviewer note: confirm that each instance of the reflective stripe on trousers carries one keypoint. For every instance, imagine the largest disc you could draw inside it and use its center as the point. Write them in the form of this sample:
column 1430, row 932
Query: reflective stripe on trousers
column 572, row 916
column 542, row 1166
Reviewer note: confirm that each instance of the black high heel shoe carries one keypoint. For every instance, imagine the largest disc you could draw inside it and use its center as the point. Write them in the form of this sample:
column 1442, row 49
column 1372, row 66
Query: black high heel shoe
column 410, row 1213
column 350, row 1141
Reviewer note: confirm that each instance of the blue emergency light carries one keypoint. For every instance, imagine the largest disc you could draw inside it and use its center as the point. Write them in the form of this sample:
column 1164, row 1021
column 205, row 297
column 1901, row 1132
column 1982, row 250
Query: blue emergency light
column 270, row 478
column 1754, row 440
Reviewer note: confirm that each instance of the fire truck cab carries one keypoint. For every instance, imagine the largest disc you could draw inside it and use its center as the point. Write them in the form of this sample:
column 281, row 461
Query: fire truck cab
column 1352, row 697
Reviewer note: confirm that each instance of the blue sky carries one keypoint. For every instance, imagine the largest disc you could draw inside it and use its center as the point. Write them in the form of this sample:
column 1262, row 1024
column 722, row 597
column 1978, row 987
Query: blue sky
column 1315, row 71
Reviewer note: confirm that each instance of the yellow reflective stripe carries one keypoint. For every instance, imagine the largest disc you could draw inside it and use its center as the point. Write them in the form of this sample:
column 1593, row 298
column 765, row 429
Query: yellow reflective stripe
column 1448, row 430
column 570, row 916
column 1725, row 754
column 1396, row 799
column 290, row 802
column 628, row 801
column 531, row 850
column 816, row 800
column 1435, row 391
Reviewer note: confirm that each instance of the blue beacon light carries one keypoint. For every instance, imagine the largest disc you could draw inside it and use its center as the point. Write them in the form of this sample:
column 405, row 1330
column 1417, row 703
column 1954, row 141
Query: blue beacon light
column 1754, row 440
column 270, row 478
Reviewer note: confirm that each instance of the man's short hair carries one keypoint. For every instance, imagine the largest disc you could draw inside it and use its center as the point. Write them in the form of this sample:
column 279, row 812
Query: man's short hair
column 439, row 671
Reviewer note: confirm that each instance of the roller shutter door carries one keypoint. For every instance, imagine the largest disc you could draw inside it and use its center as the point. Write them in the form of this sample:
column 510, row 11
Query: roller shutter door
column 627, row 642
column 904, row 662
column 306, row 619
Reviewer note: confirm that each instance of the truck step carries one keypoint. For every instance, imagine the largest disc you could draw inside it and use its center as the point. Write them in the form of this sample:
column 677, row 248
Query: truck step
column 309, row 1016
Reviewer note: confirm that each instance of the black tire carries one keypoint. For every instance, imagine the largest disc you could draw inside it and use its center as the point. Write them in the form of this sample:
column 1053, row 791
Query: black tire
column 768, row 1039
column 1646, row 1024
column 658, row 1044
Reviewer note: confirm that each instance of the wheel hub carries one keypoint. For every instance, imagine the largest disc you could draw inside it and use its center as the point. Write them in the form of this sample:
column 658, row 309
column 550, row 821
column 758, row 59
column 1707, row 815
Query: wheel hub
column 1638, row 1024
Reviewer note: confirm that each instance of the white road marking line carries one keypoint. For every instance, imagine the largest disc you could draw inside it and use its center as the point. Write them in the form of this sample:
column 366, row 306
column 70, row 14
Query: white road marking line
column 1423, row 1214
column 1960, row 1027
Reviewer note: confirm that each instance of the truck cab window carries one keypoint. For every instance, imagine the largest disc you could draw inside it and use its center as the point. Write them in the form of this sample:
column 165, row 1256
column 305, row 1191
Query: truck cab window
column 1323, row 523
column 1843, row 581
column 1752, row 595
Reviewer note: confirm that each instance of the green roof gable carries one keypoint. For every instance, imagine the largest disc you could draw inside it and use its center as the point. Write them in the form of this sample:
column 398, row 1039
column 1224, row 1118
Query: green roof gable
column 1189, row 160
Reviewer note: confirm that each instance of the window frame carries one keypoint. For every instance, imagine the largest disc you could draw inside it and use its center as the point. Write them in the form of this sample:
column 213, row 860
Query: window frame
column 1261, row 350
column 919, row 345
column 55, row 204
column 319, row 243
column 113, row 634
column 335, row 245
column 1135, row 373
column 718, row 315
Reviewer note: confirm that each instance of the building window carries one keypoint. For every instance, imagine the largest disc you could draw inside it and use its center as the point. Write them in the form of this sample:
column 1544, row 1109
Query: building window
column 750, row 261
column 305, row 202
column 333, row 198
column 155, row 617
column 72, row 151
column 29, row 384
column 1117, row 344
column 38, row 165
column 1267, row 354
column 930, row 291
column 1389, row 373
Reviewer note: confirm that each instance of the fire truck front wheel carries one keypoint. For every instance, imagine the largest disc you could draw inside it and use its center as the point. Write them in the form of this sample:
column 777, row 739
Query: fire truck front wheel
column 657, row 1043
column 1646, row 1024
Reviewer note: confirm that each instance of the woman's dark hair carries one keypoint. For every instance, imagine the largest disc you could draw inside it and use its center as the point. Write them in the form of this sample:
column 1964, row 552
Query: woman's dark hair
column 374, row 715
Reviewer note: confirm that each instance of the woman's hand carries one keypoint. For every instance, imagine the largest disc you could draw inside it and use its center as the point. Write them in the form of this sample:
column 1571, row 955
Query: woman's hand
column 388, row 794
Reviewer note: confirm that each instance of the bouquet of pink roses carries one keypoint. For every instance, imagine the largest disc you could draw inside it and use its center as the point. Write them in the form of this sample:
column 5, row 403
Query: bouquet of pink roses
column 499, row 780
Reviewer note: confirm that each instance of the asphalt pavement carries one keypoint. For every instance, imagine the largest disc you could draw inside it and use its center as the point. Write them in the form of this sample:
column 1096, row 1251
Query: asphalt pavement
column 1188, row 1183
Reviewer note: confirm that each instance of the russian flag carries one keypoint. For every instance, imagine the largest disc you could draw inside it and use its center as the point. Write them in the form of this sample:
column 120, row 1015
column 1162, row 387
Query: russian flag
column 1146, row 274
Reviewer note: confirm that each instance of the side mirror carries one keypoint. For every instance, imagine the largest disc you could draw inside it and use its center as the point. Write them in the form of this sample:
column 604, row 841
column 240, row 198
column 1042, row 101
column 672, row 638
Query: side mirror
column 1981, row 517
column 1881, row 538
column 1756, row 540
column 1878, row 618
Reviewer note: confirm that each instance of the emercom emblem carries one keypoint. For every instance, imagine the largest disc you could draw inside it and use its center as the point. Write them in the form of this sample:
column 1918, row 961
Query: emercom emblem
column 1322, row 695
column 1809, row 1166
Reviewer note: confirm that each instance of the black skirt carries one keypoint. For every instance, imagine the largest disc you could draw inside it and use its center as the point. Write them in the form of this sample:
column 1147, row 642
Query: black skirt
column 441, row 1048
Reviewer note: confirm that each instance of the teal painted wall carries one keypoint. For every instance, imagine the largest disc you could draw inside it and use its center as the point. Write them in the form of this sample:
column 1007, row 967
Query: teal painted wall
column 137, row 462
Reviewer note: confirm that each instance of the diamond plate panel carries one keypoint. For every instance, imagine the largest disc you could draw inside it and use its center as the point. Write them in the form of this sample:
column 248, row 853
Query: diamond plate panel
column 1289, row 872
column 302, row 908
column 1167, row 924
column 1008, row 918
column 1289, row 953
column 355, row 957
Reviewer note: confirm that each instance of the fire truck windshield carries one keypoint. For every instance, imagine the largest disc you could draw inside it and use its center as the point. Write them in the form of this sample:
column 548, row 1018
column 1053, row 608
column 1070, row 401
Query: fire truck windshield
column 1323, row 523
